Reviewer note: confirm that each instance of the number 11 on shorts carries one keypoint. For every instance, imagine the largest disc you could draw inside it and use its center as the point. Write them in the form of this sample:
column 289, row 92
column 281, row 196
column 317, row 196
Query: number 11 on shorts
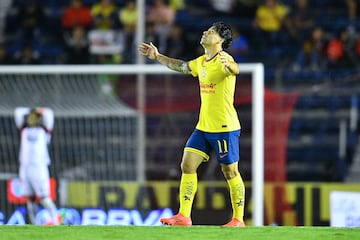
column 222, row 146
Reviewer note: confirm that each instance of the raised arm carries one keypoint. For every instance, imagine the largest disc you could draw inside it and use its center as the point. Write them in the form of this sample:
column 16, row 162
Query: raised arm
column 47, row 117
column 151, row 52
column 19, row 115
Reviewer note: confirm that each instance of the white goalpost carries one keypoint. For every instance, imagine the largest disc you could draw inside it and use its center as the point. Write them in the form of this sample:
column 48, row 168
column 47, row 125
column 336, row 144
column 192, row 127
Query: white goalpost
column 255, row 69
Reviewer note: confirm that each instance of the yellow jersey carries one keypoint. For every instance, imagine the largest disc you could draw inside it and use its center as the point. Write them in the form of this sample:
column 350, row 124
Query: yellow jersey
column 217, row 89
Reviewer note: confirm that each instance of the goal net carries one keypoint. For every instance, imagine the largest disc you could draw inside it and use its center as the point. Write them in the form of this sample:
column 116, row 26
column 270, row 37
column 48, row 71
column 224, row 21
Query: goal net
column 94, row 135
column 112, row 125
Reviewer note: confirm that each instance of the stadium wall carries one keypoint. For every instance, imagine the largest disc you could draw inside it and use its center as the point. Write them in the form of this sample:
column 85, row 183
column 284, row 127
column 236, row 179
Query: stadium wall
column 310, row 202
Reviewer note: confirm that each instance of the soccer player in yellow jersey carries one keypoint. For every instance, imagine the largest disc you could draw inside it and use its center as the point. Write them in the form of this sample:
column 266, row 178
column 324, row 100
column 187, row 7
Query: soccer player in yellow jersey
column 218, row 128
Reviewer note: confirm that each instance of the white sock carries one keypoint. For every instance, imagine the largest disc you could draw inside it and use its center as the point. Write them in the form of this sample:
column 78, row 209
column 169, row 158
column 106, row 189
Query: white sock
column 50, row 206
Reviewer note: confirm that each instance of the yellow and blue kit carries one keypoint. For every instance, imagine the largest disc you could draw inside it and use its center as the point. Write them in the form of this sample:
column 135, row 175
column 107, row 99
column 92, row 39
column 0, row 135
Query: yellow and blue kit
column 218, row 127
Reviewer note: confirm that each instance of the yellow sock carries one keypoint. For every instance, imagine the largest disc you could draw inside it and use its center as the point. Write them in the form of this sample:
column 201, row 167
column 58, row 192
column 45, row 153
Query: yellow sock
column 237, row 195
column 188, row 187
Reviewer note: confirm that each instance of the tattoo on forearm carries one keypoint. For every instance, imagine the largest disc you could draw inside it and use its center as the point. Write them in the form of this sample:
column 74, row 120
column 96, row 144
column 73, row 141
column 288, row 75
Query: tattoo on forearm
column 174, row 64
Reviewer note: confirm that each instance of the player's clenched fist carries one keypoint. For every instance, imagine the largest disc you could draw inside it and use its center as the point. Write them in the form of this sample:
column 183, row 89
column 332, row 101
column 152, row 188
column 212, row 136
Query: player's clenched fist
column 149, row 50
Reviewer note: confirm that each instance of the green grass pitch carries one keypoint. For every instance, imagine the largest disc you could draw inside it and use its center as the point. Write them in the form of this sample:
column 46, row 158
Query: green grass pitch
column 29, row 232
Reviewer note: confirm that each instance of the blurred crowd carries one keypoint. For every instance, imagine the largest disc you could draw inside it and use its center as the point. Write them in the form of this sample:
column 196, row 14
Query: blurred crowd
column 296, row 34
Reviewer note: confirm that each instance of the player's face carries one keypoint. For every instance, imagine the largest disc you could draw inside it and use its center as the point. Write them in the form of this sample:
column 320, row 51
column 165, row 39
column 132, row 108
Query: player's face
column 210, row 37
column 33, row 119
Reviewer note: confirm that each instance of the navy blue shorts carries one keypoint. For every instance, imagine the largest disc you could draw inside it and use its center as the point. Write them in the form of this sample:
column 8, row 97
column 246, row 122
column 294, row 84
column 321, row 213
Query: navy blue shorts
column 225, row 145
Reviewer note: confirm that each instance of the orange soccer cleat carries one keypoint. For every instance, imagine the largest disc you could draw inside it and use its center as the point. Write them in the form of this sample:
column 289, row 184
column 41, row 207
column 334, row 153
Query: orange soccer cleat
column 177, row 220
column 234, row 223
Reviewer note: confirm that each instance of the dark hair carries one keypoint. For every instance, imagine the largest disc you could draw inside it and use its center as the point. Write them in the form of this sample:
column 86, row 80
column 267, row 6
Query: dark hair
column 224, row 32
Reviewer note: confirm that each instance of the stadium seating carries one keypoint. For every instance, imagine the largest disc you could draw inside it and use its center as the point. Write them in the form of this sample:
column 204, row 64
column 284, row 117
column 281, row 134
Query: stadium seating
column 312, row 150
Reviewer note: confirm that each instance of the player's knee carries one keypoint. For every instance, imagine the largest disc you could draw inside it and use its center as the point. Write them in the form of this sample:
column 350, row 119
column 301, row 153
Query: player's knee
column 190, row 162
column 229, row 172
column 187, row 167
